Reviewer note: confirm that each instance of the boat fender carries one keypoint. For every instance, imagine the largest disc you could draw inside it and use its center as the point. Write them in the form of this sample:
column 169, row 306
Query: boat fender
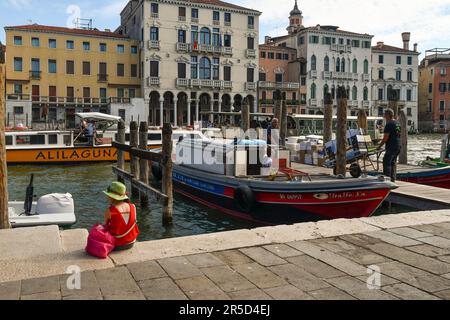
column 244, row 198
column 157, row 171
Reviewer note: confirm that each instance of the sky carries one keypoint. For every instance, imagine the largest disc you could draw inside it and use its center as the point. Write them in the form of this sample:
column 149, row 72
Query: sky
column 427, row 20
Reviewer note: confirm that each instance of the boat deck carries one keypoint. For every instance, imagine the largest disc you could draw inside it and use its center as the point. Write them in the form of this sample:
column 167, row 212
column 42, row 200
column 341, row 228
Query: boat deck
column 412, row 195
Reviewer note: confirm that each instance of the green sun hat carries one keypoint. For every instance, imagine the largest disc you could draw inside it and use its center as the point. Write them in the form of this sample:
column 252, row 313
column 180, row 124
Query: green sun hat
column 117, row 191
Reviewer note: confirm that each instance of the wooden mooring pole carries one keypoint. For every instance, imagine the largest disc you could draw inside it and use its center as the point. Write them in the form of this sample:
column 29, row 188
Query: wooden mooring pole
column 167, row 167
column 328, row 119
column 283, row 123
column 403, row 158
column 341, row 132
column 143, row 163
column 245, row 111
column 134, row 161
column 120, row 153
column 4, row 216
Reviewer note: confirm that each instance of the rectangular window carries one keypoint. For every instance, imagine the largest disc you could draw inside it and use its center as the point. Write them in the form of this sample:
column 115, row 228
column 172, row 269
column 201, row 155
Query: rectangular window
column 301, row 40
column 409, row 95
column 154, row 8
column 381, row 74
column 18, row 64
column 18, row 110
column 122, row 114
column 355, row 43
column 279, row 56
column 442, row 87
column 134, row 70
column 216, row 16
column 380, row 94
column 227, row 40
column 251, row 21
column 430, row 88
column 380, row 59
column 443, row 71
column 194, row 13
column 367, row 44
column 194, row 67
column 271, row 55
column 120, row 48
column 251, row 43
column 38, row 139
column 409, row 112
column 410, row 61
column 181, row 36
column 103, row 94
column 120, row 92
column 262, row 76
column 103, row 47
column 227, row 73
column 442, row 106
column 70, row 94
column 154, row 68
column 70, row 44
column 216, row 39
column 398, row 75
column 86, row 46
column 35, row 42
column 326, row 40
column 70, row 67
column 250, row 75
column 215, row 68
column 17, row 88
column 313, row 39
column 52, row 43
column 279, row 77
column 86, row 68
column 132, row 93
column 51, row 66
column 154, row 33
column 35, row 65
column 430, row 106
column 17, row 40
column 227, row 18
column 182, row 13
column 182, row 70
column 399, row 60
column 120, row 70
column 262, row 54
column 409, row 76
column 134, row 49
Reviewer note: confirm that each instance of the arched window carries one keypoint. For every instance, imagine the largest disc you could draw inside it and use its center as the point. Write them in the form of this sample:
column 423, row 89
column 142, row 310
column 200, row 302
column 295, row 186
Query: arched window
column 366, row 66
column 313, row 63
column 348, row 92
column 326, row 64
column 338, row 65
column 354, row 93
column 333, row 92
column 313, row 91
column 343, row 65
column 355, row 66
column 205, row 36
column 205, row 68
column 325, row 90
column 366, row 94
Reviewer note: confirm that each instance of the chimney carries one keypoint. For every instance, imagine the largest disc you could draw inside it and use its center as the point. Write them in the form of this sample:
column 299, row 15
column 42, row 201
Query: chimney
column 266, row 39
column 107, row 30
column 415, row 47
column 406, row 36
column 380, row 43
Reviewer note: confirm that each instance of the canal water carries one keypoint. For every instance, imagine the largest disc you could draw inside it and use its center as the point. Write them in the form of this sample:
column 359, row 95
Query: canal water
column 86, row 182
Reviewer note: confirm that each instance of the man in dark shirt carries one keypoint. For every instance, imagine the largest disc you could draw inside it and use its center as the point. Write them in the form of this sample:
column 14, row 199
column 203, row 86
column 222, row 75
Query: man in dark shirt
column 391, row 139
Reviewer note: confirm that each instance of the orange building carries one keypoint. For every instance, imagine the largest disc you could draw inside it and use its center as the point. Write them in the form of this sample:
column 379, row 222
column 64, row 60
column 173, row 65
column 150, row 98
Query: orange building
column 281, row 72
column 434, row 91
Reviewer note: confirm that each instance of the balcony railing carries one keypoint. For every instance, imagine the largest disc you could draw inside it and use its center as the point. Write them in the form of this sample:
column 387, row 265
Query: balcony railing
column 184, row 83
column 120, row 100
column 228, row 23
column 153, row 81
column 183, row 47
column 251, row 26
column 250, row 86
column 228, row 84
column 366, row 77
column 18, row 97
column 216, row 22
column 279, row 85
column 72, row 101
column 203, row 83
column 344, row 75
column 155, row 15
column 102, row 77
column 35, row 75
column 313, row 74
column 326, row 75
column 366, row 104
column 341, row 48
column 204, row 48
column 154, row 44
column 313, row 102
column 195, row 20
column 250, row 53
column 181, row 18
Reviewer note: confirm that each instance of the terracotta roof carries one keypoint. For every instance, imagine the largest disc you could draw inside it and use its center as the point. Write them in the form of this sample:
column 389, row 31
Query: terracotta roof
column 221, row 4
column 42, row 28
column 384, row 47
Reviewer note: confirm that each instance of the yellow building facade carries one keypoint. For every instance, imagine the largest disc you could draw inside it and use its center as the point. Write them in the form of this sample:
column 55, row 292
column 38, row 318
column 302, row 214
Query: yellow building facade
column 54, row 72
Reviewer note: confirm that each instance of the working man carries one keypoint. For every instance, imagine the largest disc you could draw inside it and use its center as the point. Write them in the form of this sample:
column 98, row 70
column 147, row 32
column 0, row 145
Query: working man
column 391, row 139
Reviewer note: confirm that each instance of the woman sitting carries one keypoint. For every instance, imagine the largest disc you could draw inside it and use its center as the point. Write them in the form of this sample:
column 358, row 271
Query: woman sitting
column 120, row 217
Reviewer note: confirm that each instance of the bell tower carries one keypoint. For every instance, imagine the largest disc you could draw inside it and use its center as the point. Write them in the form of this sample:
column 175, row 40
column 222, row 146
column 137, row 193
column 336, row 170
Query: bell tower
column 295, row 19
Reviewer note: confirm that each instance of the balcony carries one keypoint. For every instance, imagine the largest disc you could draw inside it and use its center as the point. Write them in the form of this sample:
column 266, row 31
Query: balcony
column 251, row 26
column 154, row 44
column 102, row 78
column 35, row 75
column 216, row 22
column 341, row 48
column 120, row 100
column 344, row 75
column 182, row 18
column 366, row 104
column 205, row 83
column 182, row 83
column 206, row 48
column 153, row 81
column 366, row 77
column 228, row 23
column 183, row 47
column 352, row 103
column 326, row 75
column 250, row 53
column 228, row 85
column 250, row 86
column 194, row 20
column 18, row 97
column 70, row 101
column 313, row 74
column 155, row 15
column 279, row 85
column 313, row 102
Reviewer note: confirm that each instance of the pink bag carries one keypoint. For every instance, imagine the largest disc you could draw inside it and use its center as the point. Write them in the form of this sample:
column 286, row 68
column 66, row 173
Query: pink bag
column 100, row 242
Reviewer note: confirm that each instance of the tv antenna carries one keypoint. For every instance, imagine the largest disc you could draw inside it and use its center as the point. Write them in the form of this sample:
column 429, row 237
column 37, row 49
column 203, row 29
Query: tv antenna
column 84, row 24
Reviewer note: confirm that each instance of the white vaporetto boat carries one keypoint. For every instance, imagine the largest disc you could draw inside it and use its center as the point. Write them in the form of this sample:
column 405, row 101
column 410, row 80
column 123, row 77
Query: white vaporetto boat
column 52, row 209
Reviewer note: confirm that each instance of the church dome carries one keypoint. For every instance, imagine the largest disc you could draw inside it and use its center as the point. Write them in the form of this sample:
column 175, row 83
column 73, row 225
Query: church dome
column 296, row 11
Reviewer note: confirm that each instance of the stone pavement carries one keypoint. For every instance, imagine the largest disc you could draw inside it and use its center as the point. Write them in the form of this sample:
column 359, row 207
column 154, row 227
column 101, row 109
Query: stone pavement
column 413, row 259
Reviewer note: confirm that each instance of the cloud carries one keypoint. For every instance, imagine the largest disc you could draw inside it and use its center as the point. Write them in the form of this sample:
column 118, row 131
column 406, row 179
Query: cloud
column 20, row 4
column 385, row 19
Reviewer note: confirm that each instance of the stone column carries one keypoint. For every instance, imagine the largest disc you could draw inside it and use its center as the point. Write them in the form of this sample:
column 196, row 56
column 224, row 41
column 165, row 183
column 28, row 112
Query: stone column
column 211, row 109
column 255, row 105
column 196, row 110
column 175, row 120
column 161, row 112
column 188, row 112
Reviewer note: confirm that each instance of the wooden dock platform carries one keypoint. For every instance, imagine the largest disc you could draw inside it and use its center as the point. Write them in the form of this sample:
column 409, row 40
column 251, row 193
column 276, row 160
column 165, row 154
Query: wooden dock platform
column 412, row 195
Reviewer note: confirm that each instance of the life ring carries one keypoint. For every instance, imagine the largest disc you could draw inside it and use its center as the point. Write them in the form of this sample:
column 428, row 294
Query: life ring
column 355, row 170
column 157, row 171
column 244, row 199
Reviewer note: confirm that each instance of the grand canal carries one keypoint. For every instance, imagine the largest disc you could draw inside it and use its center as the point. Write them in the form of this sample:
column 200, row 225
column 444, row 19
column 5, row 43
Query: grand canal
column 86, row 182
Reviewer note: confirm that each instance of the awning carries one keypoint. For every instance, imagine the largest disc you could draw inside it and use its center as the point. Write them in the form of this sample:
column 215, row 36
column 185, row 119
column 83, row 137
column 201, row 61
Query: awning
column 97, row 116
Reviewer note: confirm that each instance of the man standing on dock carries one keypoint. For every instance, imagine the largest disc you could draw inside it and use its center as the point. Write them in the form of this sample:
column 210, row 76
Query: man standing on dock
column 392, row 133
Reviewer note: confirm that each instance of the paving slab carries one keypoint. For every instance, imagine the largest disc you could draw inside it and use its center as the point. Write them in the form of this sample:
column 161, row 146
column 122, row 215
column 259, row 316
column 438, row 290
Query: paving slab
column 411, row 258
column 27, row 243
column 201, row 288
column 74, row 240
column 410, row 233
column 40, row 285
column 392, row 238
column 137, row 295
column 408, row 219
column 437, row 242
column 445, row 258
column 89, row 285
column 161, row 289
column 331, row 293
column 260, row 276
column 146, row 270
column 435, row 230
column 443, row 294
column 359, row 289
column 10, row 290
column 315, row 267
column 204, row 260
column 263, row 256
column 53, row 295
column 288, row 292
column 233, row 257
column 227, row 279
column 346, row 265
column 298, row 277
column 250, row 294
column 179, row 268
column 283, row 250
column 428, row 250
column 407, row 292
column 116, row 281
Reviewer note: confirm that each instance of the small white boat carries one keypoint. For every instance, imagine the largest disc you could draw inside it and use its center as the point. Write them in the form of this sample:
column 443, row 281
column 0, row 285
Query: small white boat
column 52, row 209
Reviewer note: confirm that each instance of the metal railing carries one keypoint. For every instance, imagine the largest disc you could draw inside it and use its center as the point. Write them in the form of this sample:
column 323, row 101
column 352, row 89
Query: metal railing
column 279, row 85
column 102, row 77
column 35, row 75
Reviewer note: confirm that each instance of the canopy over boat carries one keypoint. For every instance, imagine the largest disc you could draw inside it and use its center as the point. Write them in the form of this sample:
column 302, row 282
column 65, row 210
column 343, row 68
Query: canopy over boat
column 97, row 116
